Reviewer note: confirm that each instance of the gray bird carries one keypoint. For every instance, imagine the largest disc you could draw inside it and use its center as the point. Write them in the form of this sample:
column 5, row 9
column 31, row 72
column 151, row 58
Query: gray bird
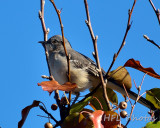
column 83, row 70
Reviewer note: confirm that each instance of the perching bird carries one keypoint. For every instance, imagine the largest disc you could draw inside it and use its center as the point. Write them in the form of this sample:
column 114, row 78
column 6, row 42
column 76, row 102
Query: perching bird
column 83, row 70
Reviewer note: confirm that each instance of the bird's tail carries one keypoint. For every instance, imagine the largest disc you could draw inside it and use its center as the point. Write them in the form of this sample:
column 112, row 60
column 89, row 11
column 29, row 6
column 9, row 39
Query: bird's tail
column 111, row 84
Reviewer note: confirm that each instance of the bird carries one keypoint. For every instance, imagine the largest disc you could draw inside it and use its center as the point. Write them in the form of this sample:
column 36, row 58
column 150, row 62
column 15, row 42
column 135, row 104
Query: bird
column 83, row 70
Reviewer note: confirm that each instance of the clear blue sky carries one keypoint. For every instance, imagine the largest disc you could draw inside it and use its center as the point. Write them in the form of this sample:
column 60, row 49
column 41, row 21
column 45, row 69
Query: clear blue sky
column 23, row 59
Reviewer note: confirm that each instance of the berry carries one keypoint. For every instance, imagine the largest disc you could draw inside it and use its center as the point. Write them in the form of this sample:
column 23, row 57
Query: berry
column 48, row 125
column 123, row 114
column 54, row 107
column 123, row 105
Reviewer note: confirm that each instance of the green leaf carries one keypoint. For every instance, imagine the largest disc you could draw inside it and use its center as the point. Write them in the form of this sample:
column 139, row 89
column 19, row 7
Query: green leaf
column 77, row 120
column 71, row 120
column 153, row 96
column 99, row 95
column 153, row 125
column 79, row 106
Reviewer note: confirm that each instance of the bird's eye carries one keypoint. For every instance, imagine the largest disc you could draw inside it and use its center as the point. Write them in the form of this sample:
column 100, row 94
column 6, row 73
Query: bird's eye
column 50, row 46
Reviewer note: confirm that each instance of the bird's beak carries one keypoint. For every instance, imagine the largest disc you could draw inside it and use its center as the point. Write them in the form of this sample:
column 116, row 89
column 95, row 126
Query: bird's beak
column 42, row 42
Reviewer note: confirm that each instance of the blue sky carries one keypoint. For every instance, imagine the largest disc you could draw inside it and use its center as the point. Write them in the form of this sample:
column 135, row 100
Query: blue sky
column 23, row 59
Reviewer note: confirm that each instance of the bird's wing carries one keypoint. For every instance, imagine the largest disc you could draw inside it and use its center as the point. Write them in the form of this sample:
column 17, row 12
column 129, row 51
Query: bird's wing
column 81, row 61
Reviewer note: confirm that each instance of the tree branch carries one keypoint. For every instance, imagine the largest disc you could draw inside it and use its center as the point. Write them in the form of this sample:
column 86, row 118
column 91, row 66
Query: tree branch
column 42, row 108
column 151, row 41
column 94, row 39
column 45, row 32
column 60, row 21
column 67, row 55
column 156, row 11
column 138, row 97
column 124, row 38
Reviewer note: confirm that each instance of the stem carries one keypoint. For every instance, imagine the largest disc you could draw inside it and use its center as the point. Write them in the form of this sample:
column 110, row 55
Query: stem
column 67, row 55
column 151, row 41
column 124, row 38
column 94, row 39
column 156, row 11
column 45, row 33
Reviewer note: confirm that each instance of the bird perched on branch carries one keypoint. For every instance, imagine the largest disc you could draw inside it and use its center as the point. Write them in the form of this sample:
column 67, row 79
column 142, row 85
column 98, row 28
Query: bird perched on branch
column 83, row 70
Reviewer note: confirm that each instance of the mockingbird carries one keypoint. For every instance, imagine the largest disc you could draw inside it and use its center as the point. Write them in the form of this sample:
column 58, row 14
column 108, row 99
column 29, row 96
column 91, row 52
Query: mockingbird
column 83, row 70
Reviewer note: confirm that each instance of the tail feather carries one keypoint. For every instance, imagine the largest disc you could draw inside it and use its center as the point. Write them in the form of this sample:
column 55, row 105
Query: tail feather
column 111, row 84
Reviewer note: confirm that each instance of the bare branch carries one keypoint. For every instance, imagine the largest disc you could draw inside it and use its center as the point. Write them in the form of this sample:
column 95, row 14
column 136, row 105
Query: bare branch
column 127, row 94
column 42, row 108
column 67, row 55
column 124, row 38
column 138, row 97
column 156, row 11
column 94, row 39
column 45, row 33
column 60, row 21
column 151, row 41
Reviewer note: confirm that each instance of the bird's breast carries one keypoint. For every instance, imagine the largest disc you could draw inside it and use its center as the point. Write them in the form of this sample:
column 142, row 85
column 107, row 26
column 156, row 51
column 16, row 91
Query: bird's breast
column 59, row 69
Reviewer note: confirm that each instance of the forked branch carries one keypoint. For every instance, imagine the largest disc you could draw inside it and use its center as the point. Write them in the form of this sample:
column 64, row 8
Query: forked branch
column 94, row 39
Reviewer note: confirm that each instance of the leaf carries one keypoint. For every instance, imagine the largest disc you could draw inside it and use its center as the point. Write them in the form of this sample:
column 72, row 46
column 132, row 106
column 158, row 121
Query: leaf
column 105, row 119
column 25, row 112
column 121, row 76
column 99, row 95
column 153, row 125
column 136, row 64
column 97, row 118
column 79, row 106
column 77, row 120
column 153, row 96
column 111, row 119
column 53, row 85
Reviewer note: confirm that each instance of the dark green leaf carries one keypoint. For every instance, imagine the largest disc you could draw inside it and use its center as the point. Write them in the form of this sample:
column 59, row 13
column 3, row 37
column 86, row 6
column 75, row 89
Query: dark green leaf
column 153, row 125
column 79, row 106
column 99, row 95
column 77, row 120
column 153, row 96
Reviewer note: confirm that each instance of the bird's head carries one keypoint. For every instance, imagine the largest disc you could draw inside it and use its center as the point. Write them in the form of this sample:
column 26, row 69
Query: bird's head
column 55, row 43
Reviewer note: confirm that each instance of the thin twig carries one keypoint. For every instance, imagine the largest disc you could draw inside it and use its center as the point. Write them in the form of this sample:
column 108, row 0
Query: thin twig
column 135, row 84
column 45, row 33
column 94, row 39
column 151, row 41
column 43, row 116
column 156, row 11
column 67, row 55
column 60, row 21
column 65, row 97
column 42, row 108
column 138, row 97
column 124, row 38
column 127, row 94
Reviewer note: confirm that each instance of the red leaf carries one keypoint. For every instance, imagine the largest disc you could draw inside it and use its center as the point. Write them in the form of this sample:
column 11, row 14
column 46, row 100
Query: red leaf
column 97, row 118
column 111, row 119
column 53, row 85
column 105, row 119
column 25, row 112
column 136, row 64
